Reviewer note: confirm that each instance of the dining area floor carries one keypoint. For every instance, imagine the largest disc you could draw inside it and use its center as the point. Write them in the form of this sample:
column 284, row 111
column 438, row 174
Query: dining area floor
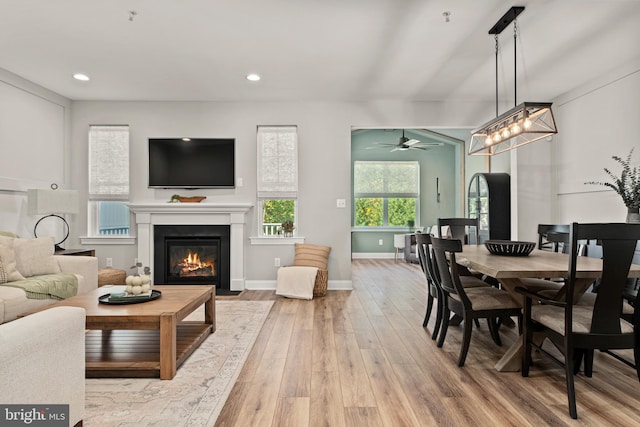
column 362, row 357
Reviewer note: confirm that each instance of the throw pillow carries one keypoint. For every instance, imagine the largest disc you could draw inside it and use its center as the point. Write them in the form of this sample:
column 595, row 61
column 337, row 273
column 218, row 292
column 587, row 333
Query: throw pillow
column 6, row 241
column 311, row 255
column 8, row 259
column 3, row 274
column 34, row 257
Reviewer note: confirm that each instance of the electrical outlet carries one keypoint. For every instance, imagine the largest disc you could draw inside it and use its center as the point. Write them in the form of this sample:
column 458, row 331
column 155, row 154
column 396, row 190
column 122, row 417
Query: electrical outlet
column 276, row 262
column 109, row 262
column 380, row 242
column 341, row 203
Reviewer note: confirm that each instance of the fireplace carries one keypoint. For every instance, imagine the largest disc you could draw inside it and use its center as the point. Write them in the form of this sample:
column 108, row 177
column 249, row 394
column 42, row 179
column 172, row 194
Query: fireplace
column 192, row 255
column 156, row 214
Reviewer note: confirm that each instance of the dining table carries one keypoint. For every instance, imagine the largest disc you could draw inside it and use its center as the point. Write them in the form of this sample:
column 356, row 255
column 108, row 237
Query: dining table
column 510, row 270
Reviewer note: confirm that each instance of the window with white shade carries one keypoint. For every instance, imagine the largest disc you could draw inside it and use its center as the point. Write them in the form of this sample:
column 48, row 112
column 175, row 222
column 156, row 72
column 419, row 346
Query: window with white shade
column 277, row 178
column 108, row 180
column 386, row 193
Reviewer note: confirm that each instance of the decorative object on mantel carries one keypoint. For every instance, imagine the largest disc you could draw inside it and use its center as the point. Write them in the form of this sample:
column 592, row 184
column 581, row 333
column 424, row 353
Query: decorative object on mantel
column 627, row 186
column 176, row 198
column 287, row 228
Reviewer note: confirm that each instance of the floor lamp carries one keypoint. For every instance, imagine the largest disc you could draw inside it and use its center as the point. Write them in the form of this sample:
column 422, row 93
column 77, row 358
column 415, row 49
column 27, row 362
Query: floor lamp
column 52, row 203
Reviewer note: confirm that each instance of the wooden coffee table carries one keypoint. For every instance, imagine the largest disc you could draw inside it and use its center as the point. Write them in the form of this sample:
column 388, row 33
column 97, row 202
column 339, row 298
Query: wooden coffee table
column 148, row 339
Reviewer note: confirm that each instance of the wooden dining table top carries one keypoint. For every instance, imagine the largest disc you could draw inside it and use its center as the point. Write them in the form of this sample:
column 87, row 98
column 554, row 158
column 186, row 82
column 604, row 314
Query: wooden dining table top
column 537, row 264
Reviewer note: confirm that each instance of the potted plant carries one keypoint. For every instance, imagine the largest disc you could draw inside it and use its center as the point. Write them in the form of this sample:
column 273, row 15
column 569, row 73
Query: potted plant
column 627, row 185
column 287, row 227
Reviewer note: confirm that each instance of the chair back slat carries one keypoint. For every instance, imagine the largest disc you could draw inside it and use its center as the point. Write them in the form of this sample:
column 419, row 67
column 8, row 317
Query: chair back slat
column 448, row 268
column 458, row 228
column 618, row 242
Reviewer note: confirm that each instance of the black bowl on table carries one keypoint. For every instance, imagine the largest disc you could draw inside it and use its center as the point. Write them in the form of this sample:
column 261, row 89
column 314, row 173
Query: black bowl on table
column 509, row 247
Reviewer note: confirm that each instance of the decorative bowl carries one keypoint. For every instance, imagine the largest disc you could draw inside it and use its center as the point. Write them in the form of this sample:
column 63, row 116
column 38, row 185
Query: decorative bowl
column 509, row 247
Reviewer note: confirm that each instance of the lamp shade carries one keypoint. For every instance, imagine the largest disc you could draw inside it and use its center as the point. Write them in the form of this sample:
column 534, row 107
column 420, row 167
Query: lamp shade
column 528, row 122
column 44, row 202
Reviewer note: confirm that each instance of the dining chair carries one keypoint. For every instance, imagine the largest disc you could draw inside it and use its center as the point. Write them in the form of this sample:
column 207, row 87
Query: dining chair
column 544, row 243
column 423, row 242
column 576, row 325
column 460, row 229
column 434, row 290
column 480, row 302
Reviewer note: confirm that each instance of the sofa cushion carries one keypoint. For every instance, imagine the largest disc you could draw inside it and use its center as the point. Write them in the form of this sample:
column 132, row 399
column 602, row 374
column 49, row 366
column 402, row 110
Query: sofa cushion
column 34, row 257
column 8, row 260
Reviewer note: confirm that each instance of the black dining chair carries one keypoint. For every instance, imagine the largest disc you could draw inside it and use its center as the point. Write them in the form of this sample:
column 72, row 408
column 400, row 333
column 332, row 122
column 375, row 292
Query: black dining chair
column 480, row 302
column 544, row 243
column 466, row 230
column 579, row 325
column 423, row 242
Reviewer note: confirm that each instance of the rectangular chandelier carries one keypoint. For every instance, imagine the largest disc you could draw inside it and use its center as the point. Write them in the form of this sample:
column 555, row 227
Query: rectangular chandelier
column 528, row 122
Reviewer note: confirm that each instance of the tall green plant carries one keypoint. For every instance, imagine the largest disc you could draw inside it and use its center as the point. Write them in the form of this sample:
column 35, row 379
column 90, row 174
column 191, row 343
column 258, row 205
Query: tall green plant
column 627, row 185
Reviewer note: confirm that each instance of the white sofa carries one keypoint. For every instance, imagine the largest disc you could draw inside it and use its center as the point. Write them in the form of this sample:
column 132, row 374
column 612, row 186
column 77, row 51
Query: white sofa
column 43, row 360
column 14, row 301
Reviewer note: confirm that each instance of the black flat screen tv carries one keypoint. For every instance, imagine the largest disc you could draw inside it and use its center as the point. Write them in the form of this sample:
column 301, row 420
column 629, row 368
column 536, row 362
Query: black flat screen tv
column 193, row 163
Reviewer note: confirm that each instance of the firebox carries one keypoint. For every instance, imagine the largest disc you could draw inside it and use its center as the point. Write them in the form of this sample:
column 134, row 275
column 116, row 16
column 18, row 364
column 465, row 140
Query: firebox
column 192, row 255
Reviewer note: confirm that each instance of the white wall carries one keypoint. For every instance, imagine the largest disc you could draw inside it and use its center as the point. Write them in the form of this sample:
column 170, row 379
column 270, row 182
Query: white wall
column 34, row 147
column 324, row 156
column 594, row 123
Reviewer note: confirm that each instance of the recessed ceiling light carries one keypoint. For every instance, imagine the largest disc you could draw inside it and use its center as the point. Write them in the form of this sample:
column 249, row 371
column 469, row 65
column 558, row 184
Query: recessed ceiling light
column 253, row 77
column 81, row 77
column 185, row 139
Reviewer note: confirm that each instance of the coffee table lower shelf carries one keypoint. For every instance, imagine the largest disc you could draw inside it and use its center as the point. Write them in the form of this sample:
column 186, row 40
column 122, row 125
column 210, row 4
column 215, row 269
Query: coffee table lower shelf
column 136, row 353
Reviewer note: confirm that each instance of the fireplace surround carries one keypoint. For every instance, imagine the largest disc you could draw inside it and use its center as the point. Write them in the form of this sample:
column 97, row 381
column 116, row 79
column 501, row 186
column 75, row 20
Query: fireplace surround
column 232, row 214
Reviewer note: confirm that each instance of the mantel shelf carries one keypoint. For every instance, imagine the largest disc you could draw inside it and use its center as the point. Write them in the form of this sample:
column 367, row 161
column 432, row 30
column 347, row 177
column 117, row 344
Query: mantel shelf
column 202, row 207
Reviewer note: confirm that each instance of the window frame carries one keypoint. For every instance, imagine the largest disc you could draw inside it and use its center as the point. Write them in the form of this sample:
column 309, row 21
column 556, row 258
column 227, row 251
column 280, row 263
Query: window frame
column 112, row 195
column 277, row 189
column 385, row 196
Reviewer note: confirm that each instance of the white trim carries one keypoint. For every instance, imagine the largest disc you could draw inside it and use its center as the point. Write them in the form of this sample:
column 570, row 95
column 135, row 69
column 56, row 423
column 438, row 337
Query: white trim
column 276, row 240
column 108, row 240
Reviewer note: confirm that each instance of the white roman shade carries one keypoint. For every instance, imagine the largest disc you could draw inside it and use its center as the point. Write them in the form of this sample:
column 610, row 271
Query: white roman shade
column 372, row 179
column 277, row 162
column 109, row 162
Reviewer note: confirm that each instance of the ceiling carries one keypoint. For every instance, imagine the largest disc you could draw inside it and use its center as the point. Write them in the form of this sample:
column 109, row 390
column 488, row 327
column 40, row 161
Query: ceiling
column 354, row 50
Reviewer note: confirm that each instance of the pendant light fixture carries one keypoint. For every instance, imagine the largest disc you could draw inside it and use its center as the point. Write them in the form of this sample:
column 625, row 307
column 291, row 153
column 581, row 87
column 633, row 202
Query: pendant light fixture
column 525, row 123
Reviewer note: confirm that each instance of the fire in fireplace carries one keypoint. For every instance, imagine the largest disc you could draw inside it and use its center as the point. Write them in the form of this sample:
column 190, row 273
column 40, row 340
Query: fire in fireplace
column 192, row 264
column 192, row 255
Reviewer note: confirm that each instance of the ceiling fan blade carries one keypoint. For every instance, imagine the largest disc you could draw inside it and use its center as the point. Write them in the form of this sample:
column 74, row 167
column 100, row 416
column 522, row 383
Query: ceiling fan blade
column 411, row 142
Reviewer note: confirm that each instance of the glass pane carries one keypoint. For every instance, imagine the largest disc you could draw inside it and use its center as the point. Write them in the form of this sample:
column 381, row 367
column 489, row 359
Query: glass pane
column 114, row 218
column 274, row 213
column 369, row 212
column 401, row 211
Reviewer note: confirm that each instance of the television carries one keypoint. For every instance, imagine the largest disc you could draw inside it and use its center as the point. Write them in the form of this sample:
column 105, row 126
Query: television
column 191, row 163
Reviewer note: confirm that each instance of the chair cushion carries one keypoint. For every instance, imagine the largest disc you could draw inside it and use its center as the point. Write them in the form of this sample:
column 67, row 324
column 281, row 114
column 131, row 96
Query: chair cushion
column 553, row 318
column 489, row 298
column 472, row 282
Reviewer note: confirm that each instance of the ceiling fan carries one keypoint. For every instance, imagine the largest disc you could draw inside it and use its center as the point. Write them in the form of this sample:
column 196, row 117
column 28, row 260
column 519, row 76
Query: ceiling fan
column 405, row 144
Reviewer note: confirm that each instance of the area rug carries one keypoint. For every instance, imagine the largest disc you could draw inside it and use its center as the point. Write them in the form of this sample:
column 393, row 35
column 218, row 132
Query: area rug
column 196, row 395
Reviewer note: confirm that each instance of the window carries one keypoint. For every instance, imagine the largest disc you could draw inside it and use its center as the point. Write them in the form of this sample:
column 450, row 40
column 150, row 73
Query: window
column 277, row 177
column 108, row 180
column 386, row 193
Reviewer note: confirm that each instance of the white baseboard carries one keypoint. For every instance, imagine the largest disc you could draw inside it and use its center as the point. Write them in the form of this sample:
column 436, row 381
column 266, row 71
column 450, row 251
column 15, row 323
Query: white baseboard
column 269, row 285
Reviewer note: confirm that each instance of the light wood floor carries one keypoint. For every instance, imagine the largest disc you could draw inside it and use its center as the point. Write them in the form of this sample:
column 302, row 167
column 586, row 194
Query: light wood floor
column 362, row 358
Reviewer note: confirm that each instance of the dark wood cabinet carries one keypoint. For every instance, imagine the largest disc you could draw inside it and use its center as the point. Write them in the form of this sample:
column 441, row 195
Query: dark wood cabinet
column 489, row 199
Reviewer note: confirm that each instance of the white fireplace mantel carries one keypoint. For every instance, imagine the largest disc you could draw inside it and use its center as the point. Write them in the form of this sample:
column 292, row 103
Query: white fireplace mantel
column 232, row 214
